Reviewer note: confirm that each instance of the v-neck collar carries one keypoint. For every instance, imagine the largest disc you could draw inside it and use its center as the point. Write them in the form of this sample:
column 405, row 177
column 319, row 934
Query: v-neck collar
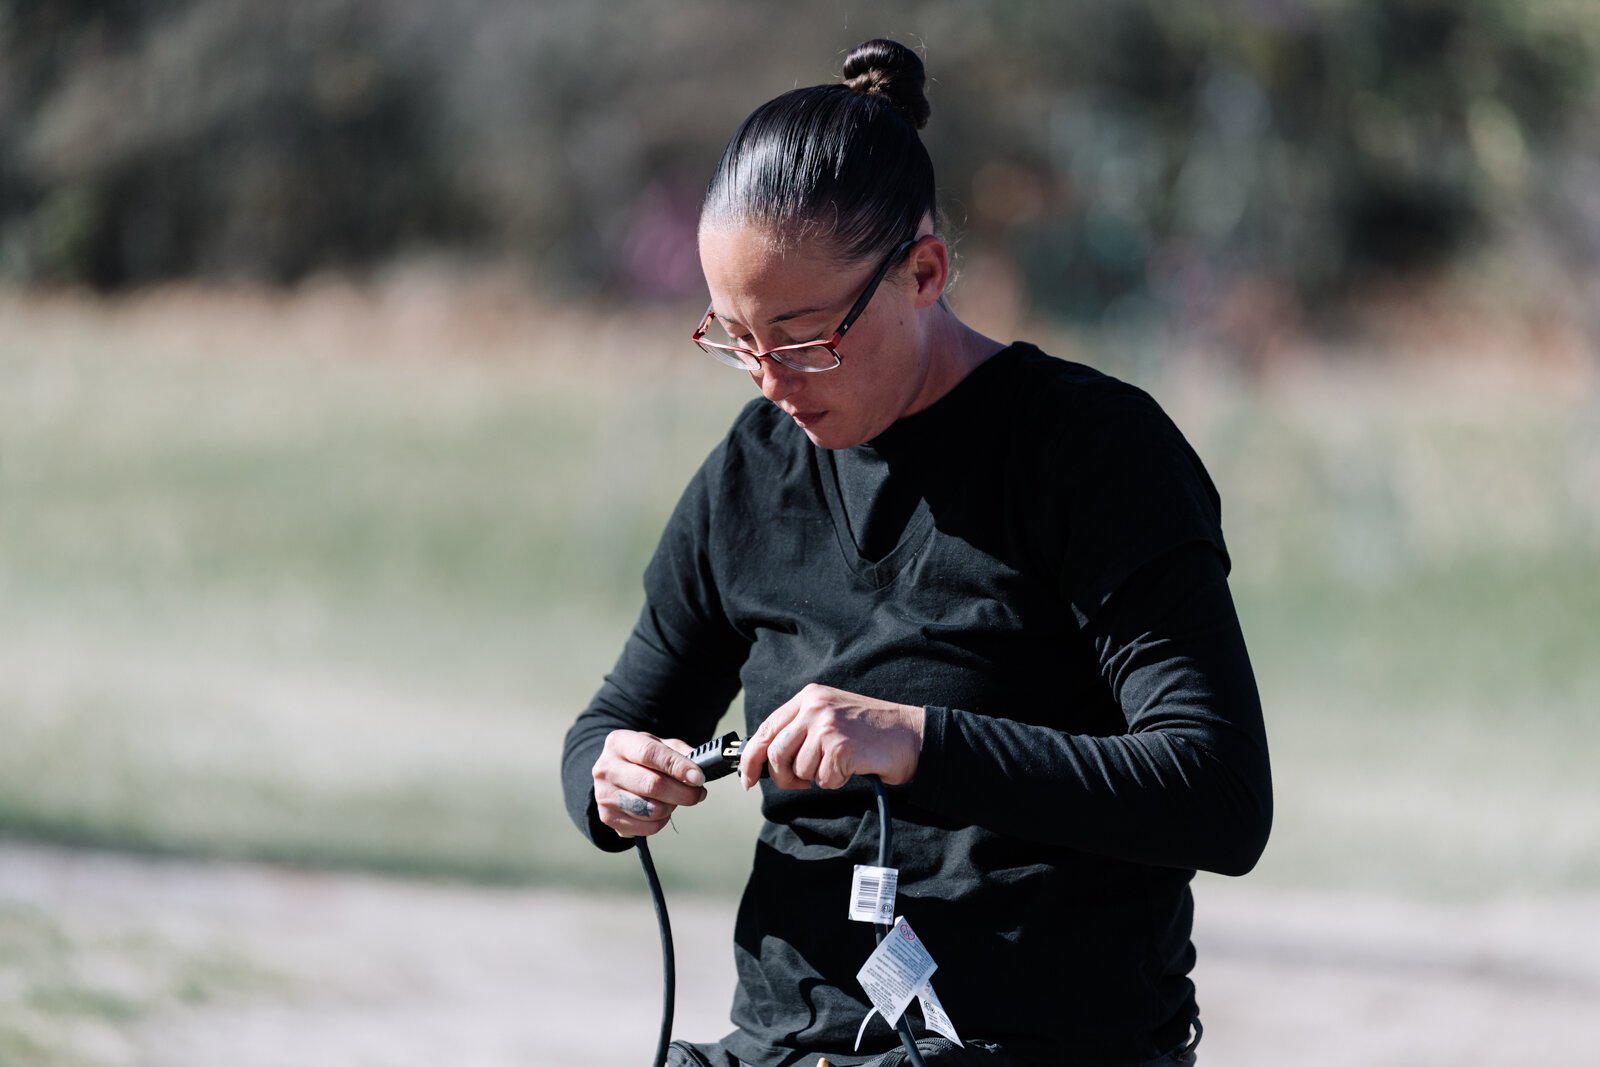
column 882, row 572
column 876, row 573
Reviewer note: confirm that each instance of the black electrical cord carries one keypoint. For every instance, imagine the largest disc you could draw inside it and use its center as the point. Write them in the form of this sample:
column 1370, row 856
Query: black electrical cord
column 717, row 758
column 885, row 851
column 669, row 988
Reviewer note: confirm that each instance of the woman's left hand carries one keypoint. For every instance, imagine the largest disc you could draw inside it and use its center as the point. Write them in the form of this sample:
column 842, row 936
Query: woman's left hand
column 823, row 736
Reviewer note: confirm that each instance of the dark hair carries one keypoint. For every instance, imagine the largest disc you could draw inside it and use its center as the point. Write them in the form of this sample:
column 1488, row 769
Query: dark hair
column 839, row 162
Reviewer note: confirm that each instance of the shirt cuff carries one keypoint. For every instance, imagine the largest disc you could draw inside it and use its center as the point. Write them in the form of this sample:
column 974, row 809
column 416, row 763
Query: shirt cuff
column 927, row 783
column 604, row 837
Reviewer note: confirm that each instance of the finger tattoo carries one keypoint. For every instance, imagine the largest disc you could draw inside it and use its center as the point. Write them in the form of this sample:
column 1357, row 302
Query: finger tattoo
column 638, row 807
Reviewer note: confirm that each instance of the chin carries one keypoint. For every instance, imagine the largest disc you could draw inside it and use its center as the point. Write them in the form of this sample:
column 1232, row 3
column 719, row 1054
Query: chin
column 832, row 432
column 832, row 438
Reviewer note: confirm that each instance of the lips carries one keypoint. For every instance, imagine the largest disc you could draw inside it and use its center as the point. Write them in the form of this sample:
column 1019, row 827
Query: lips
column 807, row 419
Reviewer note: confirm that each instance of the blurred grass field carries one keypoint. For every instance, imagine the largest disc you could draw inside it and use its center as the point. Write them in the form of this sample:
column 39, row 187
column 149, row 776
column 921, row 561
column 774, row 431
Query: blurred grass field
column 323, row 579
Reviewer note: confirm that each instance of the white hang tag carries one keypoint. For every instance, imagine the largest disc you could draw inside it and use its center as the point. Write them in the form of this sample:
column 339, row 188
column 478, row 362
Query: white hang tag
column 862, row 1031
column 934, row 1015
column 872, row 892
column 896, row 970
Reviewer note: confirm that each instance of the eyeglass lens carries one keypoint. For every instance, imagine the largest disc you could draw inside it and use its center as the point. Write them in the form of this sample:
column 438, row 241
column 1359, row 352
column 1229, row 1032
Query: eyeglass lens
column 812, row 358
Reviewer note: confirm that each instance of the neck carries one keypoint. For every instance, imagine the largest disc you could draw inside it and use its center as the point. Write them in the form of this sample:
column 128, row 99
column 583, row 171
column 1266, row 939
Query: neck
column 956, row 350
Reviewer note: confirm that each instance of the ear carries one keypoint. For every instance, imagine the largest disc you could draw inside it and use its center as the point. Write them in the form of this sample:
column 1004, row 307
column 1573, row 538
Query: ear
column 928, row 265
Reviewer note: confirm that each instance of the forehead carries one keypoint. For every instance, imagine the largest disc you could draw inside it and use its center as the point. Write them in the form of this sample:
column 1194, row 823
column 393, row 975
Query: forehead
column 754, row 276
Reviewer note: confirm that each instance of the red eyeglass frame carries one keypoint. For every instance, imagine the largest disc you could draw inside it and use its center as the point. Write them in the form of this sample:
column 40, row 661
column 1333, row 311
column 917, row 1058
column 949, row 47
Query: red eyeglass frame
column 699, row 335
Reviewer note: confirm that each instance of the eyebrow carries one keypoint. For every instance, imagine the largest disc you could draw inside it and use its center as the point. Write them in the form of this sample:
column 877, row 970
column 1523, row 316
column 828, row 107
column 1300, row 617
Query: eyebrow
column 795, row 314
column 783, row 317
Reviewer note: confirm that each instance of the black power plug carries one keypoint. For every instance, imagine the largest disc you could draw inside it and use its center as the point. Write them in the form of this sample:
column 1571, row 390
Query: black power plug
column 719, row 757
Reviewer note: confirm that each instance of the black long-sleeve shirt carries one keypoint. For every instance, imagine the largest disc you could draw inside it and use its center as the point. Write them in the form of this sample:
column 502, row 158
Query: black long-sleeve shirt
column 1037, row 559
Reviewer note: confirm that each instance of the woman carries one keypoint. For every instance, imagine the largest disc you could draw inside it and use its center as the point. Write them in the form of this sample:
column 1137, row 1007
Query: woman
column 994, row 579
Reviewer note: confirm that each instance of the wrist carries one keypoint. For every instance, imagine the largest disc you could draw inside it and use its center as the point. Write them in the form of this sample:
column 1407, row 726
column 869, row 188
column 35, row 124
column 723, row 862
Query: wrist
column 916, row 721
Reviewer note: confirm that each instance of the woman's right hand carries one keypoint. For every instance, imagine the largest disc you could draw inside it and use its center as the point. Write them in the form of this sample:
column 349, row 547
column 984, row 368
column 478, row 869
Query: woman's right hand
column 641, row 779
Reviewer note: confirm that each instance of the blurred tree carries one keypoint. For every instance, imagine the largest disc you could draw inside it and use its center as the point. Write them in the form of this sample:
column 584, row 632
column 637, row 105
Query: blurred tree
column 1137, row 159
column 222, row 138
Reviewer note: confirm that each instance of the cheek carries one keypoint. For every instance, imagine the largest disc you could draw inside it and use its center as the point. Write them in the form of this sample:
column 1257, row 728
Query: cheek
column 878, row 374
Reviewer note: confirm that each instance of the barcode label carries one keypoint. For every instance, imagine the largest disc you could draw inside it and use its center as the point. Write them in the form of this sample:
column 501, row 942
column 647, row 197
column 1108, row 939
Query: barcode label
column 872, row 894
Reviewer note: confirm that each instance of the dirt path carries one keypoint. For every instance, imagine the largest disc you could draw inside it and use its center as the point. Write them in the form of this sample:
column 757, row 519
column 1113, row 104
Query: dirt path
column 340, row 970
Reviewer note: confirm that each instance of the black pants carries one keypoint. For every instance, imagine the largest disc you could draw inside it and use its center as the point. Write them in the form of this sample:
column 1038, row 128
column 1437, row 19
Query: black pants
column 936, row 1052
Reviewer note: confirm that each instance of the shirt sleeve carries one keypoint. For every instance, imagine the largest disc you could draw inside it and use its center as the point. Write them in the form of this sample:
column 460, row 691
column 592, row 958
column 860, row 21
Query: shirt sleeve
column 1129, row 525
column 1188, row 785
column 679, row 668
column 1125, row 489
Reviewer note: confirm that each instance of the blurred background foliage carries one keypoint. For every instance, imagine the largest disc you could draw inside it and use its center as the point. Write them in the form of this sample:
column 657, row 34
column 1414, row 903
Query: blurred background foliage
column 1231, row 169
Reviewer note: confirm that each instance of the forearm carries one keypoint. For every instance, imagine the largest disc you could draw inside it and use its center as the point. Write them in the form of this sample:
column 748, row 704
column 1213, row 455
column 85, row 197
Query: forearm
column 1160, row 798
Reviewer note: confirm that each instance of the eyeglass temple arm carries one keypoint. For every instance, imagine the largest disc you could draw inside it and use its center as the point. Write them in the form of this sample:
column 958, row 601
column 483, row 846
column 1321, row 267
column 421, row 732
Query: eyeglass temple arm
column 705, row 321
column 872, row 287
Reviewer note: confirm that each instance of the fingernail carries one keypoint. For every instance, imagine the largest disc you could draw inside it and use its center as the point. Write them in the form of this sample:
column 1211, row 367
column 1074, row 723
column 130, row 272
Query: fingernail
column 694, row 775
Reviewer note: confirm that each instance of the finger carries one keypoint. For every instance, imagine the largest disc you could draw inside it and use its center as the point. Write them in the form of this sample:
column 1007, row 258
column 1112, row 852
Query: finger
column 628, row 826
column 630, row 814
column 647, row 750
column 782, row 753
column 754, row 753
column 683, row 748
column 652, row 785
column 809, row 758
column 831, row 772
column 628, row 754
column 638, row 807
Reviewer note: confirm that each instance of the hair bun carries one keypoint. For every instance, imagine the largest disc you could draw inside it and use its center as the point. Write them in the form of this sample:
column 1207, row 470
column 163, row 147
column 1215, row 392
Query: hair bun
column 889, row 69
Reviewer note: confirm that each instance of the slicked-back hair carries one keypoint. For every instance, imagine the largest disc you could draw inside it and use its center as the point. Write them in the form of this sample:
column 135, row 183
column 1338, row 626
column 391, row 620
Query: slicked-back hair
column 840, row 163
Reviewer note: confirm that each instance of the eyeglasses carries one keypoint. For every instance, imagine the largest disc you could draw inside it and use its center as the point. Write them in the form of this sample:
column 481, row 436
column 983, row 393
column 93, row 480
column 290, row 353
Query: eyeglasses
column 809, row 356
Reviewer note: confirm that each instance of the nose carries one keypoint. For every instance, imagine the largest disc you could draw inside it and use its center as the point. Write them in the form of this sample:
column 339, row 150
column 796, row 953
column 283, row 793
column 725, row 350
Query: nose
column 776, row 381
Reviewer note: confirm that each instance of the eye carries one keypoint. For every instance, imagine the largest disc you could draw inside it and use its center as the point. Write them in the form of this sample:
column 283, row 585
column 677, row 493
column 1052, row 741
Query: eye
column 736, row 337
